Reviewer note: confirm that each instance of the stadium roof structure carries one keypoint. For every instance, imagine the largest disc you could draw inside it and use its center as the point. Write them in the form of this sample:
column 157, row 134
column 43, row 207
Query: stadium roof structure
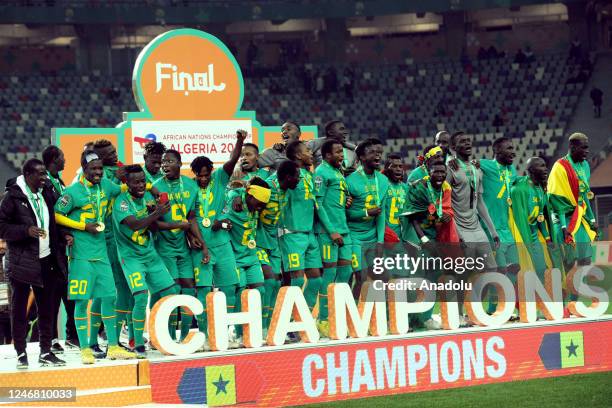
column 202, row 12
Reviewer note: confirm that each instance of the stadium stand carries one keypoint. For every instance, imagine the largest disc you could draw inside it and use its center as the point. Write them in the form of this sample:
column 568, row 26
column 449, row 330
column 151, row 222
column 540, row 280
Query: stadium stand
column 534, row 103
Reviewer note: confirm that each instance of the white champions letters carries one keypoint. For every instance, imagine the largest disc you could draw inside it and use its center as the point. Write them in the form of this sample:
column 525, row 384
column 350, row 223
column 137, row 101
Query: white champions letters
column 186, row 82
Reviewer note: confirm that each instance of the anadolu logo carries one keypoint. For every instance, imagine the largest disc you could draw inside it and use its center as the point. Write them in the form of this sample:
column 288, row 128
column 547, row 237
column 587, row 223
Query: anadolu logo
column 142, row 141
column 187, row 74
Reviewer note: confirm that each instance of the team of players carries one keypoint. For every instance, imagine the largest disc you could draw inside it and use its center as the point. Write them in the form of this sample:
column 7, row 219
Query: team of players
column 152, row 231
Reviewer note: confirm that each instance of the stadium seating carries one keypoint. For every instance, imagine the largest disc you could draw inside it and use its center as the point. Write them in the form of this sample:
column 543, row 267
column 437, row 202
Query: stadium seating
column 534, row 101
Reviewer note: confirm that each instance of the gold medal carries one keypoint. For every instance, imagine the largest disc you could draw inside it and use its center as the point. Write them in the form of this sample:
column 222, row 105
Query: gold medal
column 541, row 218
column 590, row 195
column 251, row 244
column 100, row 227
column 206, row 222
column 509, row 201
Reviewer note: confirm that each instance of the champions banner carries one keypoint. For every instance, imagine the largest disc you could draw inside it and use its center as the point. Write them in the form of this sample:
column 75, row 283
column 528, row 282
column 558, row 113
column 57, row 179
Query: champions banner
column 360, row 368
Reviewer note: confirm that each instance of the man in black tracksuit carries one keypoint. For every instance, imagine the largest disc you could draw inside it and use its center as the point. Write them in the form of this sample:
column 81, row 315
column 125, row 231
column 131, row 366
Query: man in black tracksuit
column 27, row 224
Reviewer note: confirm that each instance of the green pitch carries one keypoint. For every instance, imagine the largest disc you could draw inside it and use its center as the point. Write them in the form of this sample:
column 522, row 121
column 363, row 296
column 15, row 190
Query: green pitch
column 584, row 390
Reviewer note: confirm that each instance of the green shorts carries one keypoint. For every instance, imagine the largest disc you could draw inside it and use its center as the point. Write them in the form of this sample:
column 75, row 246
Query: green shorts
column 124, row 293
column 219, row 271
column 507, row 253
column 582, row 248
column 357, row 256
column 146, row 273
column 300, row 250
column 270, row 257
column 180, row 267
column 250, row 275
column 330, row 252
column 90, row 280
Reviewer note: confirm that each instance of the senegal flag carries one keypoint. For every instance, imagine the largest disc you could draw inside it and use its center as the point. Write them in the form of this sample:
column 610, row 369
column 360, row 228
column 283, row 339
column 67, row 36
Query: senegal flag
column 419, row 200
column 564, row 193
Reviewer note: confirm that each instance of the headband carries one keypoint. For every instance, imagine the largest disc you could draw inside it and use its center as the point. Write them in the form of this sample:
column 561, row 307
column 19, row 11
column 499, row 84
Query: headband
column 432, row 152
column 89, row 157
column 260, row 193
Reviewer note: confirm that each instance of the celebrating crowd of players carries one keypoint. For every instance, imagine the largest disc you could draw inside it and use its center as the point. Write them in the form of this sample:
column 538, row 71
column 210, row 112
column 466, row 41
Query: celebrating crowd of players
column 301, row 213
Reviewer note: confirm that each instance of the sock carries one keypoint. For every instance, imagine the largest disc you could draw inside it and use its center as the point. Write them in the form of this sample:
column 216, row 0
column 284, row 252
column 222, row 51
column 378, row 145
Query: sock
column 203, row 318
column 299, row 282
column 186, row 314
column 94, row 321
column 311, row 291
column 139, row 313
column 110, row 319
column 154, row 298
column 270, row 285
column 123, row 309
column 343, row 273
column 80, row 321
column 329, row 276
column 274, row 295
column 238, row 308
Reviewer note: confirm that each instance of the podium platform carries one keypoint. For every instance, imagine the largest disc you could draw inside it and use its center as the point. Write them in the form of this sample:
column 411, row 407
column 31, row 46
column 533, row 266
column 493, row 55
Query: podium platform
column 296, row 374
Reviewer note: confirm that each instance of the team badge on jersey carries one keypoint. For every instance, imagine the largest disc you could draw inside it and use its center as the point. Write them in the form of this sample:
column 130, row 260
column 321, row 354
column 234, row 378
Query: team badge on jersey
column 124, row 206
column 318, row 182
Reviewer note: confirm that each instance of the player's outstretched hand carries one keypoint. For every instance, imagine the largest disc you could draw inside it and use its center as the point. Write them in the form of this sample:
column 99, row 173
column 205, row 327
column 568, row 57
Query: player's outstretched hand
column 205, row 255
column 237, row 204
column 162, row 208
column 92, row 228
column 69, row 239
column 279, row 147
column 496, row 242
column 35, row 232
column 223, row 224
column 374, row 212
column 453, row 165
column 241, row 135
column 337, row 238
column 349, row 201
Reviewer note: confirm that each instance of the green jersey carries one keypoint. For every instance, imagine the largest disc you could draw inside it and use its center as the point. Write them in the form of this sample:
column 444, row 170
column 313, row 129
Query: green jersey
column 395, row 197
column 496, row 182
column 298, row 205
column 110, row 173
column 417, row 174
column 130, row 242
column 366, row 193
column 152, row 178
column 528, row 203
column 209, row 204
column 331, row 190
column 182, row 194
column 244, row 229
column 85, row 202
column 267, row 227
column 261, row 173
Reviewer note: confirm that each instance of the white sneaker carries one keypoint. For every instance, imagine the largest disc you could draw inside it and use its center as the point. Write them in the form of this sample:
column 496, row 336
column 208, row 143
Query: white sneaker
column 205, row 347
column 236, row 343
column 432, row 324
column 465, row 321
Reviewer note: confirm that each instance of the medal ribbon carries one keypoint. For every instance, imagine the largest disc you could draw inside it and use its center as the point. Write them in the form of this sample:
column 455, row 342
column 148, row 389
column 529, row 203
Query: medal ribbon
column 375, row 182
column 98, row 209
column 38, row 206
column 56, row 183
column 504, row 175
column 432, row 196
column 204, row 198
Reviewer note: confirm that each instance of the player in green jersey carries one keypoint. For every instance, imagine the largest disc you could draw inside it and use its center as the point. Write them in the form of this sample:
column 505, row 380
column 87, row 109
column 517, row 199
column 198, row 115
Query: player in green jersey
column 431, row 152
column 134, row 213
column 366, row 215
column 395, row 191
column 299, row 246
column 90, row 275
column 153, row 152
column 286, row 178
column 498, row 175
column 171, row 239
column 221, row 270
column 249, row 163
column 332, row 229
column 529, row 205
column 242, row 207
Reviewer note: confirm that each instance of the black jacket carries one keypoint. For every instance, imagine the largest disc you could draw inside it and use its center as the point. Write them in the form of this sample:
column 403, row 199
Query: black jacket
column 16, row 217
